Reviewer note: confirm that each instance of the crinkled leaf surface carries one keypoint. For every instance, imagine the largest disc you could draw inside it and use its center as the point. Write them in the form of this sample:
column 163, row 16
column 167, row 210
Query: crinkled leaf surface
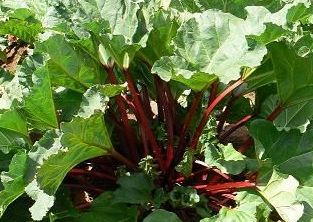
column 97, row 97
column 225, row 158
column 214, row 43
column 69, row 66
column 82, row 139
column 25, row 30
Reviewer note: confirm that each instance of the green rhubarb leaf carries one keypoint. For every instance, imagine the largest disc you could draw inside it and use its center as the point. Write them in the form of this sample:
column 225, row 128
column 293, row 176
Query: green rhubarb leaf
column 304, row 194
column 13, row 132
column 68, row 66
column 82, row 139
column 225, row 158
column 162, row 215
column 185, row 165
column 103, row 209
column 164, row 30
column 13, row 181
column 12, row 141
column 48, row 145
column 117, row 47
column 67, row 103
column 25, row 30
column 293, row 75
column 97, row 97
column 134, row 189
column 218, row 44
column 230, row 215
column 13, row 121
column 10, row 92
column 291, row 152
column 39, row 105
column 297, row 116
column 122, row 16
column 280, row 192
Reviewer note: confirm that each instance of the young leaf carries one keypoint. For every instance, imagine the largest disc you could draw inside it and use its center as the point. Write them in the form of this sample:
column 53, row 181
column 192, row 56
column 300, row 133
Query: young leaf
column 225, row 158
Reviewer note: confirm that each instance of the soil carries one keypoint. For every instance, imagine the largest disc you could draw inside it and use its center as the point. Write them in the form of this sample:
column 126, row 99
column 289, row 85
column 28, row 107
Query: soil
column 15, row 52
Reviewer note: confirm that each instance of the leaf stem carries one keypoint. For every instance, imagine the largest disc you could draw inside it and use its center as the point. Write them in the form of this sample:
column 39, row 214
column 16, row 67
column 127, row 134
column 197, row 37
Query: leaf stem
column 224, row 115
column 116, row 155
column 199, row 172
column 235, row 127
column 130, row 137
column 143, row 119
column 169, row 122
column 225, row 186
column 98, row 175
column 209, row 110
column 275, row 113
column 187, row 121
column 271, row 117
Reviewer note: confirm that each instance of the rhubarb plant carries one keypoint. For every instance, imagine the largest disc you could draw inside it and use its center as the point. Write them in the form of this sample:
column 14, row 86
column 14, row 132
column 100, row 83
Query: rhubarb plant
column 159, row 110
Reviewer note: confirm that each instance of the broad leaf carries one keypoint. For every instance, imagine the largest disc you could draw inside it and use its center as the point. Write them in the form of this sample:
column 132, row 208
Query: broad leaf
column 97, row 97
column 162, row 215
column 293, row 74
column 291, row 152
column 13, row 181
column 297, row 116
column 280, row 192
column 39, row 105
column 13, row 121
column 103, row 209
column 25, row 30
column 304, row 194
column 68, row 66
column 214, row 43
column 82, row 139
column 134, row 189
column 225, row 158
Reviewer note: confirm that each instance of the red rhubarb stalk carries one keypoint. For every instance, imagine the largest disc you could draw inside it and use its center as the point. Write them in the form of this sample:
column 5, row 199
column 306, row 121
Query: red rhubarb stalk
column 143, row 119
column 209, row 110
column 223, row 186
column 235, row 127
column 130, row 137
